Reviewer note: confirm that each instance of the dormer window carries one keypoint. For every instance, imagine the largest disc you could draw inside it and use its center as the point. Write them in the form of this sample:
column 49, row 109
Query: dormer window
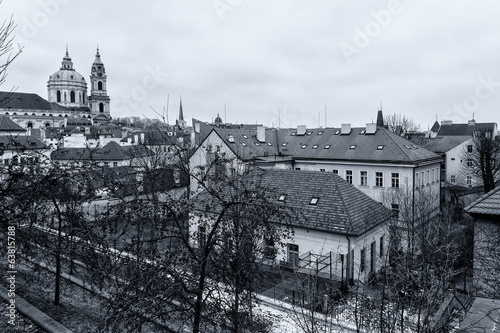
column 314, row 201
column 230, row 138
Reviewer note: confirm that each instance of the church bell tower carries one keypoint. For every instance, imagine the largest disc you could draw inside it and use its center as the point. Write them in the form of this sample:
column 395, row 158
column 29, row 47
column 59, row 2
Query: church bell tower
column 99, row 100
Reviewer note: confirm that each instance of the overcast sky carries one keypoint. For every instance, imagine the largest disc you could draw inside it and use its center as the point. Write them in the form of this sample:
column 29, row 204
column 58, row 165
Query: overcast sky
column 271, row 62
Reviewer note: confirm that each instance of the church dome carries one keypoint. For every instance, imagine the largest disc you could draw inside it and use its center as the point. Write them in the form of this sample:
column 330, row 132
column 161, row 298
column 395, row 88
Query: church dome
column 67, row 87
column 218, row 120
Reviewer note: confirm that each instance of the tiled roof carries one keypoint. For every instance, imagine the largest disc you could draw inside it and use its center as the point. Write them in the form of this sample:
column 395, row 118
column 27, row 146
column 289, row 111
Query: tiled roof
column 324, row 144
column 442, row 144
column 465, row 129
column 488, row 204
column 152, row 137
column 110, row 152
column 8, row 126
column 340, row 207
column 8, row 142
column 15, row 100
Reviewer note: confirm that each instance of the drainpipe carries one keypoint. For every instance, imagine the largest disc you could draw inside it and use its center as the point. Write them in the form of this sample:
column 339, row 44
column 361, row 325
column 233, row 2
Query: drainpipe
column 349, row 273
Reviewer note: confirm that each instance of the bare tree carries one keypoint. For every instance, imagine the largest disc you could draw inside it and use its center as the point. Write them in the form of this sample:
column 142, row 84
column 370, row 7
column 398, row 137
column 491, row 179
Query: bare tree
column 482, row 158
column 7, row 50
column 401, row 125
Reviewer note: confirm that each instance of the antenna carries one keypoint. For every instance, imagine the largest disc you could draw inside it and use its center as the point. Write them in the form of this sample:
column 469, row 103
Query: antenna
column 225, row 118
column 279, row 118
column 325, row 116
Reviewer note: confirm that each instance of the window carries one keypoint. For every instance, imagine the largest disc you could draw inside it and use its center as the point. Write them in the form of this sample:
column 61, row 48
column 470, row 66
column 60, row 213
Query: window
column 395, row 210
column 269, row 250
column 284, row 144
column 362, row 260
column 427, row 177
column 115, row 164
column 381, row 246
column 348, row 176
column 320, row 132
column 101, row 107
column 314, row 201
column 395, row 180
column 364, row 178
column 433, row 176
column 58, row 96
column 72, row 96
column 352, row 147
column 322, row 170
column 327, row 146
column 422, row 178
column 303, row 147
column 99, row 85
column 282, row 197
column 202, row 236
column 380, row 147
column 315, row 146
column 335, row 172
column 379, row 179
column 297, row 168
column 417, row 184
column 469, row 162
column 244, row 136
column 469, row 180
column 469, row 148
column 293, row 255
column 243, row 144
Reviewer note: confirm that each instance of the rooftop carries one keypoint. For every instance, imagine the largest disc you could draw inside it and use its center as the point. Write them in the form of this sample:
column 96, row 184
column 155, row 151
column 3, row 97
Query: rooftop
column 488, row 204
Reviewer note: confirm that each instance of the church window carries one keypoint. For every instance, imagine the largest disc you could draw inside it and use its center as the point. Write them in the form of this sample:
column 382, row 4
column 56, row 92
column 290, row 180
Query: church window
column 47, row 124
column 101, row 107
column 80, row 97
column 30, row 125
column 58, row 96
column 99, row 85
column 65, row 99
column 72, row 96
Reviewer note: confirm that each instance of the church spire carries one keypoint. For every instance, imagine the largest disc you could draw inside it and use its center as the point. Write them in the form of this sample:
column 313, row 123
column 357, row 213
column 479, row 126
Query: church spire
column 181, row 113
column 67, row 63
column 181, row 123
column 380, row 117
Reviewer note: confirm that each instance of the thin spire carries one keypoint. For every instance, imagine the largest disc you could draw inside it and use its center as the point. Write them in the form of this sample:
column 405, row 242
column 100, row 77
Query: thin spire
column 67, row 53
column 181, row 113
column 97, row 49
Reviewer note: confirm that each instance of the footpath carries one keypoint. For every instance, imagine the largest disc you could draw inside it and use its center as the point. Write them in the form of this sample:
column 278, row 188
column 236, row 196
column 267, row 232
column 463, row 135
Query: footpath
column 32, row 313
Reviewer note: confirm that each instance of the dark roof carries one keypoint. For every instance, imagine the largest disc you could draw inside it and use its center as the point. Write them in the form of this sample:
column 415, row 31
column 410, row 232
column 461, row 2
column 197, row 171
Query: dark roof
column 110, row 152
column 358, row 146
column 465, row 129
column 25, row 101
column 488, row 204
column 152, row 138
column 482, row 316
column 442, row 144
column 341, row 208
column 60, row 108
column 324, row 144
column 23, row 142
column 7, row 125
column 435, row 127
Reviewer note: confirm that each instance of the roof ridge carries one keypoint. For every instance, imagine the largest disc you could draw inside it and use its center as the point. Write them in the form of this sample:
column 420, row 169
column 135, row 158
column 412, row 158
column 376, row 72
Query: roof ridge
column 482, row 198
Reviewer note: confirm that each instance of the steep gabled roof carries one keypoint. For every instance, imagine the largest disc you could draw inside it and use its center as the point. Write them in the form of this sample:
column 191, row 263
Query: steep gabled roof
column 23, row 142
column 488, row 204
column 8, row 126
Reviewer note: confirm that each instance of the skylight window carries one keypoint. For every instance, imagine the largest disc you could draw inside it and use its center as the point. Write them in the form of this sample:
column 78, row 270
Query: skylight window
column 244, row 136
column 284, row 144
column 320, row 132
column 282, row 197
column 257, row 144
column 327, row 146
column 309, row 133
column 337, row 132
column 407, row 147
column 353, row 147
column 303, row 147
column 380, row 147
column 230, row 138
column 315, row 146
column 414, row 146
column 314, row 201
column 362, row 132
column 243, row 144
column 293, row 134
column 269, row 144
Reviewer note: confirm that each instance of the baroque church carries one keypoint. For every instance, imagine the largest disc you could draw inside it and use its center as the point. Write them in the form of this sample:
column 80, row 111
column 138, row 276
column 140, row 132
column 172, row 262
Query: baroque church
column 68, row 103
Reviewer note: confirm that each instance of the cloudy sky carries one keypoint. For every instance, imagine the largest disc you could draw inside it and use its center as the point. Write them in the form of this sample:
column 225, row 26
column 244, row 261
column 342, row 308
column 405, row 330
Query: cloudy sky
column 279, row 62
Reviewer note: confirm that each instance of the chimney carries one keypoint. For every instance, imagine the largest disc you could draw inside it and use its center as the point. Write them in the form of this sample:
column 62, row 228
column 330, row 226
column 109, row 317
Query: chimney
column 197, row 127
column 346, row 129
column 371, row 128
column 261, row 134
column 301, row 130
column 446, row 122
